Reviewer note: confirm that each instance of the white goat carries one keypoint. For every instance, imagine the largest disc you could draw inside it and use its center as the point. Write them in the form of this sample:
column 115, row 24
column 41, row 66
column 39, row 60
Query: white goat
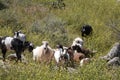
column 43, row 53
column 59, row 52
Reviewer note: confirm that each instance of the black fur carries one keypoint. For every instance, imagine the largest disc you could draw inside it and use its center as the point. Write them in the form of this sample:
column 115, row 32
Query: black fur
column 86, row 30
column 77, row 48
column 17, row 45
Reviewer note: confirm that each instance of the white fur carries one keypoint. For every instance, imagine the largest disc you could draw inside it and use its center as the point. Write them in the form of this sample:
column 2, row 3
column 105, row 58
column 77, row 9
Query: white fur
column 36, row 52
column 42, row 53
column 76, row 40
column 84, row 61
column 58, row 53
column 7, row 42
column 21, row 36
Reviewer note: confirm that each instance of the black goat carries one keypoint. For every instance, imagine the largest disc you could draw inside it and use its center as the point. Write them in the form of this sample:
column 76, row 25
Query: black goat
column 86, row 30
column 10, row 43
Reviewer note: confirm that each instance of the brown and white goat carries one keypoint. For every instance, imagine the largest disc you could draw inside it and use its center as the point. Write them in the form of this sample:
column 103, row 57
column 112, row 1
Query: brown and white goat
column 43, row 53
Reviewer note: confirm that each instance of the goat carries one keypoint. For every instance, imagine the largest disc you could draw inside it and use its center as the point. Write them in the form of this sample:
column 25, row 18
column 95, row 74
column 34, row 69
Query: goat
column 77, row 57
column 43, row 53
column 10, row 43
column 77, row 41
column 19, row 35
column 61, row 55
column 86, row 30
column 86, row 52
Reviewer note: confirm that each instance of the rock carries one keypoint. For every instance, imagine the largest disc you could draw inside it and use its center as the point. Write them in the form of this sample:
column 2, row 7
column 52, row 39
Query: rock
column 114, row 62
column 107, row 58
column 71, row 70
column 14, row 57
